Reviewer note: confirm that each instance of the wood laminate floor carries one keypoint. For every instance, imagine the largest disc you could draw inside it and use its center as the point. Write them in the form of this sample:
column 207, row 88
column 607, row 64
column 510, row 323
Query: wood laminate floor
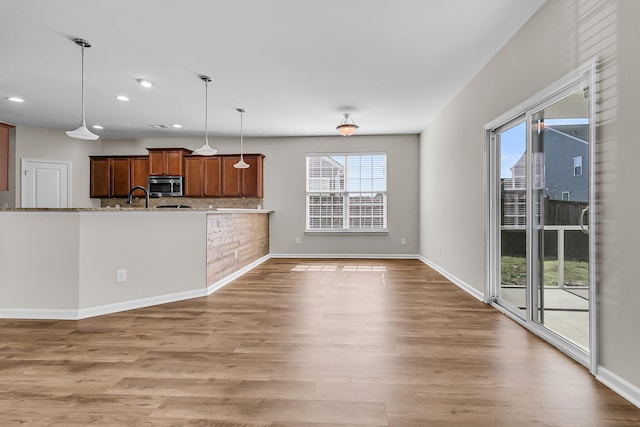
column 301, row 343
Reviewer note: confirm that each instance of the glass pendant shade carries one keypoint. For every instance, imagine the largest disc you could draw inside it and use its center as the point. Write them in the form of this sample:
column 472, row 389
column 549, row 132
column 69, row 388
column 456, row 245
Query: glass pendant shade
column 206, row 149
column 82, row 132
column 241, row 164
column 347, row 127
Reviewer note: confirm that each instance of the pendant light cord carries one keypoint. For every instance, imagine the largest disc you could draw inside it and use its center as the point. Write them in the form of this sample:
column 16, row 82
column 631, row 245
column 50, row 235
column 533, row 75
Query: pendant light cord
column 83, row 115
column 206, row 112
column 241, row 142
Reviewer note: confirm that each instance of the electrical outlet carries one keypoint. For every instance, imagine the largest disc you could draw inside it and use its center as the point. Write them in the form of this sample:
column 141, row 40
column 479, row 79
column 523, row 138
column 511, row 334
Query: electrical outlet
column 236, row 254
column 297, row 240
column 121, row 275
column 439, row 250
column 403, row 241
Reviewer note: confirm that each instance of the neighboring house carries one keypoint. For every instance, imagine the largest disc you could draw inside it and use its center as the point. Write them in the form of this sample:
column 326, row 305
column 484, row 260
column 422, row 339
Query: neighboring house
column 566, row 163
column 565, row 175
column 325, row 174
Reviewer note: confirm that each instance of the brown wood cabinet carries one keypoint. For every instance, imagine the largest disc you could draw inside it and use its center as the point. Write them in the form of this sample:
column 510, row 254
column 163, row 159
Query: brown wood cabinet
column 193, row 176
column 212, row 177
column 113, row 176
column 4, row 156
column 242, row 182
column 202, row 176
column 230, row 177
column 100, row 177
column 167, row 161
column 120, row 177
column 139, row 167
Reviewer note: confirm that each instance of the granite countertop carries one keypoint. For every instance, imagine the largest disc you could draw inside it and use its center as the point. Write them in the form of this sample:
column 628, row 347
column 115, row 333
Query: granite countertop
column 136, row 209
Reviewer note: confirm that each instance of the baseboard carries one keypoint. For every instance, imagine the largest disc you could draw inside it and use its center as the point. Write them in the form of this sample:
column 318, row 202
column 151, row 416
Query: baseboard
column 347, row 256
column 618, row 384
column 233, row 276
column 41, row 314
column 456, row 281
column 139, row 303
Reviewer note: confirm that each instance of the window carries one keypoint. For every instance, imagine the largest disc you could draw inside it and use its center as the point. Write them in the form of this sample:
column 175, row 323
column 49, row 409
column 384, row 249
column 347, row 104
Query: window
column 577, row 166
column 566, row 195
column 347, row 192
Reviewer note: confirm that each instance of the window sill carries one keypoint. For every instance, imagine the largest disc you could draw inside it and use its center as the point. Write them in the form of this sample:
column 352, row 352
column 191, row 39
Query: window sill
column 361, row 232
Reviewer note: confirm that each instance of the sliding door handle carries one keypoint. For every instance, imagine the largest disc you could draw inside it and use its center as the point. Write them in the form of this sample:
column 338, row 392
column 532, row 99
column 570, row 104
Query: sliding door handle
column 585, row 229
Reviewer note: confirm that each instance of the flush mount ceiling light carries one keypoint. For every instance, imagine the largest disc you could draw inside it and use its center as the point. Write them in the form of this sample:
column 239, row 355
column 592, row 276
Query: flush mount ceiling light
column 145, row 83
column 122, row 98
column 241, row 164
column 176, row 126
column 97, row 127
column 82, row 132
column 15, row 99
column 206, row 149
column 347, row 127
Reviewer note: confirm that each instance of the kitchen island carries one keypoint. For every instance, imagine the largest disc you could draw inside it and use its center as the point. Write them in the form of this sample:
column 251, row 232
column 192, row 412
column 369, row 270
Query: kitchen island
column 78, row 263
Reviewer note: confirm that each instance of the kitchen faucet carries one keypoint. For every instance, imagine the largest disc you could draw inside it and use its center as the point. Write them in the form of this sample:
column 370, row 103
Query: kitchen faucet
column 138, row 187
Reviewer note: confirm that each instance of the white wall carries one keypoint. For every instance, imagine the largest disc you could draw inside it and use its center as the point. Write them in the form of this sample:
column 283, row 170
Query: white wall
column 558, row 38
column 38, row 261
column 284, row 191
column 49, row 144
column 162, row 252
column 63, row 264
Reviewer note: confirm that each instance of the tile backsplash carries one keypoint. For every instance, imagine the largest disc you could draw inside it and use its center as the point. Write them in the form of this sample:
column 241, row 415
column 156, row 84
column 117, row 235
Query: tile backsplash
column 218, row 202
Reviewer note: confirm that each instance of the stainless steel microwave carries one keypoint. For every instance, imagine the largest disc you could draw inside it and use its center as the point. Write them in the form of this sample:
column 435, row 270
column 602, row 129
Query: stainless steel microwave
column 165, row 186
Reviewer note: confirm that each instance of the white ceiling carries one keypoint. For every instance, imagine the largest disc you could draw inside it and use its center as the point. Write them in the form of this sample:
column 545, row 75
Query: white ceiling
column 294, row 65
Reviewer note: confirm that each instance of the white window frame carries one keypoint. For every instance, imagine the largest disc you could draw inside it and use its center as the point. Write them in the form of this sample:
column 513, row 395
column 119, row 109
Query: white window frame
column 568, row 194
column 345, row 195
column 577, row 166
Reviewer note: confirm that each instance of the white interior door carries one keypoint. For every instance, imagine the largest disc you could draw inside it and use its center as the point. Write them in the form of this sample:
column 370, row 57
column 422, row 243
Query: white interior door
column 45, row 183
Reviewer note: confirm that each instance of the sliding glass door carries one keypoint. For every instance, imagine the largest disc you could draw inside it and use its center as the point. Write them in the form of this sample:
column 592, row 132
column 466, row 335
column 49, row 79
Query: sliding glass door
column 540, row 191
column 560, row 196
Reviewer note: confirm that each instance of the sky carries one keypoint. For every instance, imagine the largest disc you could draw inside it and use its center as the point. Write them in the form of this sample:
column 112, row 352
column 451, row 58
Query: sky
column 513, row 142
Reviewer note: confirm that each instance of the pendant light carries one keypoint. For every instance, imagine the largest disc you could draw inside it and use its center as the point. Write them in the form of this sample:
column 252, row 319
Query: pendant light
column 241, row 164
column 82, row 132
column 347, row 127
column 206, row 149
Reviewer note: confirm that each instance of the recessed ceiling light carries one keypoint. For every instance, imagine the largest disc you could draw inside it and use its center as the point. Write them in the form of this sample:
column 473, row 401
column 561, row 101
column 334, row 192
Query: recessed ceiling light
column 145, row 83
column 177, row 126
column 160, row 126
column 122, row 98
column 15, row 99
column 97, row 127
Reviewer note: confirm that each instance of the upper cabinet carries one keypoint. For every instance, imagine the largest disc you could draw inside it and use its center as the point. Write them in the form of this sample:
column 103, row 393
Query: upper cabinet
column 167, row 161
column 202, row 176
column 100, row 176
column 242, row 182
column 4, row 156
column 139, row 173
column 113, row 176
